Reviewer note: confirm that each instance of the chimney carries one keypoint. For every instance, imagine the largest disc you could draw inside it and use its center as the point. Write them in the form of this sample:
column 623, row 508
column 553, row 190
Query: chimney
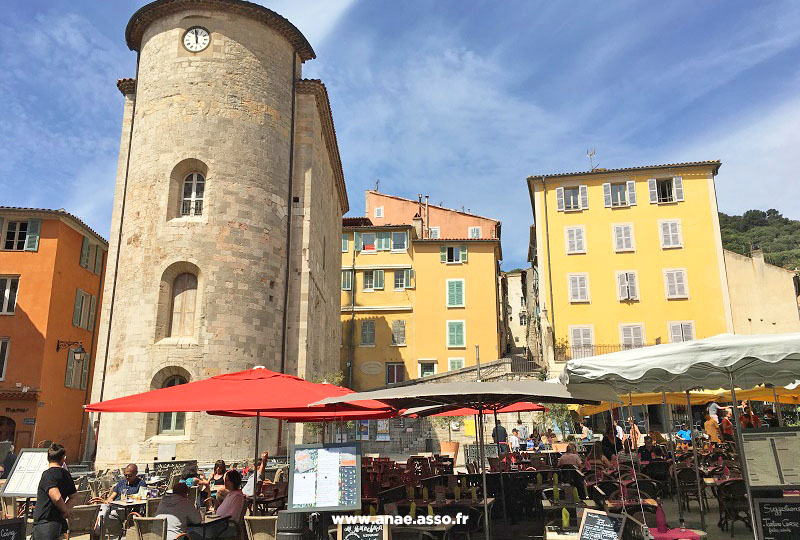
column 418, row 225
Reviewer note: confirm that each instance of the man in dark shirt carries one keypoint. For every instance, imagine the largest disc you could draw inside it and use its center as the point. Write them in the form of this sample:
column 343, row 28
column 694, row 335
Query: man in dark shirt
column 54, row 498
column 648, row 452
column 499, row 436
column 129, row 485
column 8, row 462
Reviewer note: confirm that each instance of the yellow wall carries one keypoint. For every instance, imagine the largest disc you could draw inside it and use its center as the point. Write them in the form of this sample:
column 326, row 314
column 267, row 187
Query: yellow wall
column 701, row 255
column 423, row 308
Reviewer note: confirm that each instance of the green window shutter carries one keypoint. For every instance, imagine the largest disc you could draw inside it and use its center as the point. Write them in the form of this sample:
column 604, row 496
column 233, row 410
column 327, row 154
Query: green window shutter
column 85, row 253
column 451, row 334
column 459, row 293
column 70, row 368
column 443, row 254
column 459, row 334
column 357, row 241
column 378, row 277
column 344, row 243
column 98, row 260
column 85, row 372
column 32, row 238
column 92, row 306
column 464, row 253
column 76, row 311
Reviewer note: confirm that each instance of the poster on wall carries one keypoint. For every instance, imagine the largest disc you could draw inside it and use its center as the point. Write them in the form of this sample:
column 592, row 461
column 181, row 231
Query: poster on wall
column 341, row 435
column 382, row 431
column 363, row 430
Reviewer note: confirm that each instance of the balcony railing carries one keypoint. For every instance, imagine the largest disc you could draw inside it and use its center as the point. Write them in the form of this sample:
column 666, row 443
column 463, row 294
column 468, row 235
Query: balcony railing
column 564, row 353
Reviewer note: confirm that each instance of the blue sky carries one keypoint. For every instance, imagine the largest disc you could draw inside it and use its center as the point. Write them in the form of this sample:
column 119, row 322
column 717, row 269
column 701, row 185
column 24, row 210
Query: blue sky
column 457, row 100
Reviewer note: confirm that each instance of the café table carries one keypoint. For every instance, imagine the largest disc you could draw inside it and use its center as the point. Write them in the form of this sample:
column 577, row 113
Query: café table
column 128, row 505
column 677, row 534
column 553, row 533
column 617, row 505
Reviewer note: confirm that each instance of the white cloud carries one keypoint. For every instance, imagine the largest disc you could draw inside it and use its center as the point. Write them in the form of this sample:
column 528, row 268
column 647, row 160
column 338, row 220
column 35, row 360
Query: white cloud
column 314, row 18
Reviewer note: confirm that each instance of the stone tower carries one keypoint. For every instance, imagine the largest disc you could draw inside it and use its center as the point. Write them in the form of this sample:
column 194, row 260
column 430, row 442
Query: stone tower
column 225, row 227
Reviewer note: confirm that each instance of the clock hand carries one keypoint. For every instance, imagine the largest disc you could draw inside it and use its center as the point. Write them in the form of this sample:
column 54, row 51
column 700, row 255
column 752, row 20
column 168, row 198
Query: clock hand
column 195, row 35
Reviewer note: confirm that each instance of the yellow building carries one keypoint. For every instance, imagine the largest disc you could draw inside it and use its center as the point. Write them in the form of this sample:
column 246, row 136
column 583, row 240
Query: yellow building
column 413, row 305
column 628, row 257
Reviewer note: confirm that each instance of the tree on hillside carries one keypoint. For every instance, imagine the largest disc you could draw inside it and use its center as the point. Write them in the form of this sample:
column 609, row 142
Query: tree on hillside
column 777, row 236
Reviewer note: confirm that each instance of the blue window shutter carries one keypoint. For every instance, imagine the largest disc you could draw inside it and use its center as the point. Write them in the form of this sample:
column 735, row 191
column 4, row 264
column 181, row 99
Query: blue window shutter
column 70, row 368
column 85, row 253
column 76, row 311
column 92, row 307
column 32, row 238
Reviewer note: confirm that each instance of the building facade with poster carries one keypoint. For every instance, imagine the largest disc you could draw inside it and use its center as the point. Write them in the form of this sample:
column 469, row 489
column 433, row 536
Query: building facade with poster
column 228, row 205
column 51, row 271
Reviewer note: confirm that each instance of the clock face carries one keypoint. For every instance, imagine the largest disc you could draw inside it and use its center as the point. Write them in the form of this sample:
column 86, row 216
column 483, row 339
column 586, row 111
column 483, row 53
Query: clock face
column 196, row 39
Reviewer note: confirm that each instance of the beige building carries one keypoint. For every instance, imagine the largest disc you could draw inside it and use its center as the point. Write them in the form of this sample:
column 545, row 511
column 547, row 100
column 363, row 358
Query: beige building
column 225, row 227
column 763, row 296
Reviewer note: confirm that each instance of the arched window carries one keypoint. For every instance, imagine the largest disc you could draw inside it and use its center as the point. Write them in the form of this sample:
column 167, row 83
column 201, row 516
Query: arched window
column 184, row 292
column 192, row 200
column 172, row 423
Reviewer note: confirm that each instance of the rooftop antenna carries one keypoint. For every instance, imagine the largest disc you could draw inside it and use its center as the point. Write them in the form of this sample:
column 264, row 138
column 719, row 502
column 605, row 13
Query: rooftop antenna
column 590, row 154
column 377, row 184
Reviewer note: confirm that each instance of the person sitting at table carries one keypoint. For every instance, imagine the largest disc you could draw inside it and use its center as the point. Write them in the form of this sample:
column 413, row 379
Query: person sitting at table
column 648, row 452
column 129, row 485
column 215, row 480
column 231, row 506
column 596, row 457
column 726, row 426
column 684, row 435
column 770, row 419
column 530, row 444
column 570, row 457
column 256, row 472
column 178, row 510
column 749, row 420
column 610, row 445
column 552, row 438
column 586, row 433
column 190, row 475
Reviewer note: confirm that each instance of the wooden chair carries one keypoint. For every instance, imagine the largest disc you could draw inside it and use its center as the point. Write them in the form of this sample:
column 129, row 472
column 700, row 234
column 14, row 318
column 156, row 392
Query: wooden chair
column 11, row 508
column 261, row 527
column 83, row 519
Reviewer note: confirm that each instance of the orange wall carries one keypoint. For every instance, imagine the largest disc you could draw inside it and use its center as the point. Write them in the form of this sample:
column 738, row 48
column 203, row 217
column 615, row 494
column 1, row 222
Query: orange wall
column 451, row 223
column 49, row 278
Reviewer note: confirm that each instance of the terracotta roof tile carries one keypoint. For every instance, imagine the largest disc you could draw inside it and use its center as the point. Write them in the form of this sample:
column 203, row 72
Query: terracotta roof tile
column 60, row 212
column 716, row 163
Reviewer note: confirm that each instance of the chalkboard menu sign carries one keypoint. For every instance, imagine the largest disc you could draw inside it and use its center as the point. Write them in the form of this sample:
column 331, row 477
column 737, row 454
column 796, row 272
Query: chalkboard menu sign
column 364, row 531
column 778, row 519
column 12, row 529
column 596, row 525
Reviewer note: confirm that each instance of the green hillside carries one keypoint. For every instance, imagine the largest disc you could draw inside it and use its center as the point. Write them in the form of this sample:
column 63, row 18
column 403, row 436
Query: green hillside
column 777, row 236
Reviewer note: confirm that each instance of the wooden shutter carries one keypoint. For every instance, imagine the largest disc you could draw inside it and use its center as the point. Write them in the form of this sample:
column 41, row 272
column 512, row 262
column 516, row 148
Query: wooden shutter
column 463, row 253
column 378, row 277
column 85, row 252
column 85, row 371
column 653, row 189
column 571, row 246
column 98, row 260
column 688, row 331
column 459, row 293
column 2, row 238
column 443, row 254
column 584, row 196
column 666, row 236
column 677, row 187
column 680, row 283
column 622, row 286
column 676, row 232
column 676, row 336
column 619, row 238
column 92, row 307
column 459, row 334
column 670, row 284
column 631, row 185
column 77, row 308
column 32, row 238
column 70, row 368
column 344, row 243
column 560, row 199
column 451, row 292
column 607, row 195
column 451, row 334
column 410, row 278
column 357, row 241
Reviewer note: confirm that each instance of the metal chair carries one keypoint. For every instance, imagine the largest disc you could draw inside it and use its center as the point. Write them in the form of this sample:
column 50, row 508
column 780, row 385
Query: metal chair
column 150, row 528
column 261, row 527
column 152, row 506
column 82, row 497
column 83, row 519
column 687, row 483
column 733, row 504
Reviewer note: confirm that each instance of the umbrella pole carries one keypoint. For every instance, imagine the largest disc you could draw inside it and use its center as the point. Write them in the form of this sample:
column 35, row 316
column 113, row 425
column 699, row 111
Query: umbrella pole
column 502, row 484
column 256, row 479
column 482, row 458
column 696, row 463
column 777, row 406
column 737, row 429
column 671, row 447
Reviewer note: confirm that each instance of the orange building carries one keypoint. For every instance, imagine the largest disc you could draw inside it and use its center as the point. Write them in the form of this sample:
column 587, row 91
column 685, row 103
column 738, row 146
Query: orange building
column 51, row 273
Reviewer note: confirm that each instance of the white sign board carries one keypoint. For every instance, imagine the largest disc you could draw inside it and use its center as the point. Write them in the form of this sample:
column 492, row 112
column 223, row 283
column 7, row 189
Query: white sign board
column 24, row 478
column 773, row 456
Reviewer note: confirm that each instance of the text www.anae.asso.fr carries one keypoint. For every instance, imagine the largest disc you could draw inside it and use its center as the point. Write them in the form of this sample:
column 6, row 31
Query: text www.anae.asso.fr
column 458, row 519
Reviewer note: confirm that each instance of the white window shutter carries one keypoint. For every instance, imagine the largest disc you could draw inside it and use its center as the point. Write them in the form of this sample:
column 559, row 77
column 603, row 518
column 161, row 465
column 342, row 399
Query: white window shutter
column 579, row 241
column 378, row 277
column 607, row 195
column 678, row 240
column 675, row 333
column 666, row 236
column 577, row 337
column 622, row 286
column 560, row 199
column 680, row 283
column 573, row 287
column 677, row 187
column 32, row 238
column 584, row 195
column 688, row 331
column 631, row 192
column 651, row 186
column 570, row 238
column 633, row 289
column 619, row 241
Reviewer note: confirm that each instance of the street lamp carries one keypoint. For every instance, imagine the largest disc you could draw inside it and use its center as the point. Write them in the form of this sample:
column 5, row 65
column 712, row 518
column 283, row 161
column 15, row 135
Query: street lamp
column 79, row 352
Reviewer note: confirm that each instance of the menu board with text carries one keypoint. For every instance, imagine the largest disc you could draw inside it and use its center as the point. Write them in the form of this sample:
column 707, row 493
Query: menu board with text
column 773, row 456
column 325, row 477
column 28, row 468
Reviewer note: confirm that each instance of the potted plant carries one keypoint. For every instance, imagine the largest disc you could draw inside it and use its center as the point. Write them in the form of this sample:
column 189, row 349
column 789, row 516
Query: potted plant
column 449, row 446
